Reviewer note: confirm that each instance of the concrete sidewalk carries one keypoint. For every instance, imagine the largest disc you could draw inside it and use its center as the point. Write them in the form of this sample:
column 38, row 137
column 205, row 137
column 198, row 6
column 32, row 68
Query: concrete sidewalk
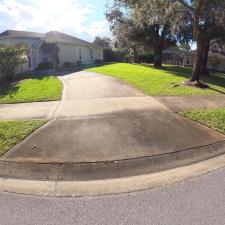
column 23, row 111
column 192, row 102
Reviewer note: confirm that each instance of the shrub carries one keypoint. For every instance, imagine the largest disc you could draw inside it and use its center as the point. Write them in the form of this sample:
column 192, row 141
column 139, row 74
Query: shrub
column 44, row 66
column 98, row 61
column 108, row 55
column 146, row 58
column 10, row 58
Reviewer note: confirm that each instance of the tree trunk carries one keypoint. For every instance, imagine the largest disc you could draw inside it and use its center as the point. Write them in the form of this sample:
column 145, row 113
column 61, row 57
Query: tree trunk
column 198, row 60
column 135, row 56
column 158, row 55
column 204, row 70
column 199, row 36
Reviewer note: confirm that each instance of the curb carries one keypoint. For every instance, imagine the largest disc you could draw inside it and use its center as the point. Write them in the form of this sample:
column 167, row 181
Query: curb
column 110, row 186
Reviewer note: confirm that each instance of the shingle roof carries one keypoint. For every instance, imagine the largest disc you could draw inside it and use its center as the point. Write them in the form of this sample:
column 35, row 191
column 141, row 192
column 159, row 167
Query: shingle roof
column 65, row 38
column 15, row 33
column 54, row 36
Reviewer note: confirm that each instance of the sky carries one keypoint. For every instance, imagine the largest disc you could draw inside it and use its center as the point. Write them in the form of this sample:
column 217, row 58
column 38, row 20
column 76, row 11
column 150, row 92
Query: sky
column 81, row 18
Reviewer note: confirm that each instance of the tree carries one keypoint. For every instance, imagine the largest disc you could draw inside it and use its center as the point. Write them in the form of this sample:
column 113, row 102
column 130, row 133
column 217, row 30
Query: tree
column 214, row 38
column 207, row 16
column 104, row 42
column 204, row 16
column 125, row 31
column 184, row 47
column 10, row 59
column 52, row 50
column 130, row 23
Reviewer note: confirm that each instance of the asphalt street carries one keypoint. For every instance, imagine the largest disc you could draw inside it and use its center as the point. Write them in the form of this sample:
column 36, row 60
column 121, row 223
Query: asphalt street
column 198, row 201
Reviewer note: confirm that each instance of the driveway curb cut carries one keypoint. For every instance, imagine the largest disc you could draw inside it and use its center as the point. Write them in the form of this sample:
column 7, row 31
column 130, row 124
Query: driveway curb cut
column 111, row 186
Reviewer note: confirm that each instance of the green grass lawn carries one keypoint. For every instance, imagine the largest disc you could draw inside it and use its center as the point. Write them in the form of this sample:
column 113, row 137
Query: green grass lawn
column 213, row 118
column 154, row 82
column 12, row 132
column 36, row 88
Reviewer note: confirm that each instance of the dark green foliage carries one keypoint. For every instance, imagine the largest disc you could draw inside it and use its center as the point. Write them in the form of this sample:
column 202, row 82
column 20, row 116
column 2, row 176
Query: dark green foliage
column 108, row 51
column 102, row 42
column 45, row 66
column 10, row 59
column 108, row 55
column 146, row 58
column 131, row 25
column 51, row 50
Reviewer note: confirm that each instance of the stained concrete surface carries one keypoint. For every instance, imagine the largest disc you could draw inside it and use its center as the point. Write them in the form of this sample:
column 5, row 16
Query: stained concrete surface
column 103, row 119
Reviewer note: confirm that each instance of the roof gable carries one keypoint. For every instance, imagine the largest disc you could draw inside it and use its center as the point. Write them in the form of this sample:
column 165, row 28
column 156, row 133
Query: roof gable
column 65, row 38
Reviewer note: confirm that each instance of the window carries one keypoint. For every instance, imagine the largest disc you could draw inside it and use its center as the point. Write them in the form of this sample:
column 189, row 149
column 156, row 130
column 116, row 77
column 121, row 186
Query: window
column 80, row 54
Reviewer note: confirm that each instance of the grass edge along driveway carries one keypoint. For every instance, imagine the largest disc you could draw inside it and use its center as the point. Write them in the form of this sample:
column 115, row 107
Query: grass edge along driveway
column 158, row 82
column 33, row 89
column 12, row 132
column 212, row 118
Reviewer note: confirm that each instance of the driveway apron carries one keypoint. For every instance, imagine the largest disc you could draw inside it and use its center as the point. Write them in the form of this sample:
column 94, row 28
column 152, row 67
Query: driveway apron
column 103, row 119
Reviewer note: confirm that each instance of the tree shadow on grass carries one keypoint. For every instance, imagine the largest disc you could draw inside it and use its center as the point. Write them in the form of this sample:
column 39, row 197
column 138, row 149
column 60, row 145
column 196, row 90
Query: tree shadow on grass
column 213, row 79
column 11, row 88
column 8, row 90
column 217, row 80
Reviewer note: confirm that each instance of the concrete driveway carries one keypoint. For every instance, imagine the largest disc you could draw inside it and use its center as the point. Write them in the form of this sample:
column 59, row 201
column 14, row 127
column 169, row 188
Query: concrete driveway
column 102, row 119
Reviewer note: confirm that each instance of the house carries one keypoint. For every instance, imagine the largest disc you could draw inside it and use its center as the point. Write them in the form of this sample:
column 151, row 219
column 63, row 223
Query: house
column 72, row 50
column 176, row 56
column 173, row 55
column 216, row 59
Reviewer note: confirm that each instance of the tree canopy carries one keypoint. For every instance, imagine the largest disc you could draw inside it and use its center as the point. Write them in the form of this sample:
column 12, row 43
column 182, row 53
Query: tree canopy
column 104, row 42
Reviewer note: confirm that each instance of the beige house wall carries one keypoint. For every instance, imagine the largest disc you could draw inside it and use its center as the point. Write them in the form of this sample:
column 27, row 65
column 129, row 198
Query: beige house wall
column 69, row 53
column 98, row 54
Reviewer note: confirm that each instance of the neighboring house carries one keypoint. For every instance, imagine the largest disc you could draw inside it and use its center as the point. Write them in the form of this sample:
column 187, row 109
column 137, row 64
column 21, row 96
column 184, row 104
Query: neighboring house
column 71, row 49
column 216, row 59
column 175, row 56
